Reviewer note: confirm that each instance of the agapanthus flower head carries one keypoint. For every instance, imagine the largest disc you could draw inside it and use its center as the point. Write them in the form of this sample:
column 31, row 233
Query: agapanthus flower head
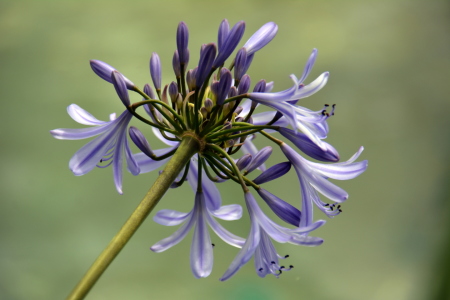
column 211, row 112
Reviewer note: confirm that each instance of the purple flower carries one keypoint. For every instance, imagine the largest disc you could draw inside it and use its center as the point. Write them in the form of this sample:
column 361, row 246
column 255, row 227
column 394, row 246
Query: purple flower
column 260, row 225
column 206, row 207
column 313, row 177
column 110, row 145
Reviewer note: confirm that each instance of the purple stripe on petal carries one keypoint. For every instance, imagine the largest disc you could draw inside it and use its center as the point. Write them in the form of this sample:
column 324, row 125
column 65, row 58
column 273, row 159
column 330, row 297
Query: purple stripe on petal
column 201, row 248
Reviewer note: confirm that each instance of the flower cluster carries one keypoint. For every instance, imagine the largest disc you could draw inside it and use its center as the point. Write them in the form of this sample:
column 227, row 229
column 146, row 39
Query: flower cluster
column 214, row 106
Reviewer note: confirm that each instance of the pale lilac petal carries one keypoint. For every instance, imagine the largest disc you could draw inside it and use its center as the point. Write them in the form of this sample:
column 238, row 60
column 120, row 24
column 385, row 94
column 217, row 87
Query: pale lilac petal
column 82, row 116
column 341, row 172
column 309, row 65
column 228, row 212
column 246, row 252
column 79, row 133
column 305, row 240
column 313, row 87
column 175, row 238
column 224, row 234
column 117, row 163
column 168, row 217
column 87, row 157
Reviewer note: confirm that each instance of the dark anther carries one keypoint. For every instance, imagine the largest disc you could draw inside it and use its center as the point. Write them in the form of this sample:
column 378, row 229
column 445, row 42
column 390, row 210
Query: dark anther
column 326, row 204
column 260, row 269
column 327, row 114
column 282, row 267
column 280, row 272
column 286, row 256
column 340, row 210
column 291, row 266
column 272, row 262
column 213, row 245
column 323, row 112
column 326, row 105
column 339, row 206
column 331, row 207
column 334, row 105
column 101, row 160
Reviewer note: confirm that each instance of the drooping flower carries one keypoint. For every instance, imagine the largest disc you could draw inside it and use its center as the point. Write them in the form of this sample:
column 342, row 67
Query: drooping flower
column 313, row 178
column 261, row 227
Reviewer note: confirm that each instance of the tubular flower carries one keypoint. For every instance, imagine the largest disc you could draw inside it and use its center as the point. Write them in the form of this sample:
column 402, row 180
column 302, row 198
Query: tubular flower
column 214, row 106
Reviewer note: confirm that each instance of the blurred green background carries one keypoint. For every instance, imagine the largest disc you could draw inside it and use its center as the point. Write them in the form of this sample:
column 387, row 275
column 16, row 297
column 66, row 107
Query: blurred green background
column 389, row 64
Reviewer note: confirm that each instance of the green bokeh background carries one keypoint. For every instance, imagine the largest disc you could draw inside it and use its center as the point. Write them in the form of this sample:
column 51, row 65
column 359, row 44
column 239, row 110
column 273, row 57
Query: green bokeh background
column 389, row 64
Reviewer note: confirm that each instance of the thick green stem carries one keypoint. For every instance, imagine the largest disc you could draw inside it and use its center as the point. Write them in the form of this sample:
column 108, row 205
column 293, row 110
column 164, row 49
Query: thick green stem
column 188, row 147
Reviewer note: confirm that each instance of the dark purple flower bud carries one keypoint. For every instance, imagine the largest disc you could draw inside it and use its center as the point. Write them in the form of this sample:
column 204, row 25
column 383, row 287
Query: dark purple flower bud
column 190, row 78
column 222, row 35
column 149, row 91
column 244, row 161
column 240, row 64
column 273, row 173
column 173, row 91
column 225, row 82
column 176, row 64
column 260, row 87
column 214, row 87
column 121, row 87
column 155, row 70
column 205, row 63
column 208, row 104
column 182, row 43
column 233, row 92
column 261, row 37
column 309, row 147
column 140, row 141
column 281, row 208
column 103, row 70
column 244, row 84
column 230, row 44
column 259, row 158
column 204, row 112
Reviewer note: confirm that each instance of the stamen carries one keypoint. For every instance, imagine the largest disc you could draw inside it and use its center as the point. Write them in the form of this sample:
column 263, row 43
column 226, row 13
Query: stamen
column 260, row 269
column 286, row 256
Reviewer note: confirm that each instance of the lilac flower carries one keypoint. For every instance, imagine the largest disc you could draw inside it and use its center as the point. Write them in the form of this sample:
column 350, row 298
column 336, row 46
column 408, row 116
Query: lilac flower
column 313, row 177
column 110, row 145
column 207, row 206
column 260, row 225
column 209, row 122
